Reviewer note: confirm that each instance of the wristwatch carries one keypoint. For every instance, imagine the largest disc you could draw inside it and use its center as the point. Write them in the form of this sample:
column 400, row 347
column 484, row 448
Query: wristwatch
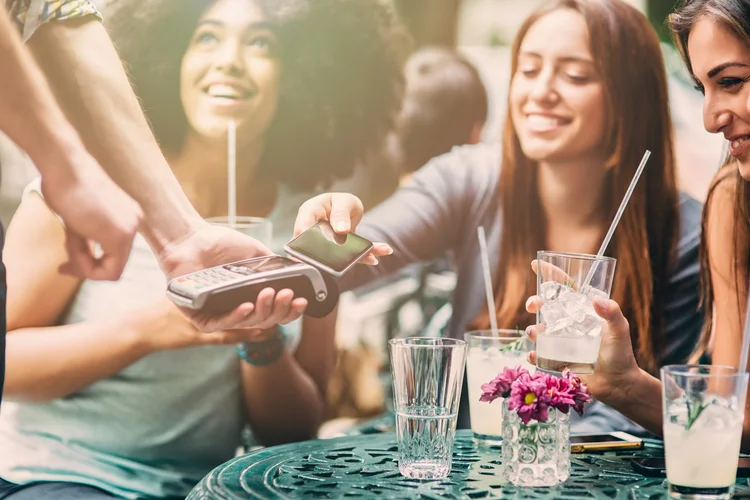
column 263, row 353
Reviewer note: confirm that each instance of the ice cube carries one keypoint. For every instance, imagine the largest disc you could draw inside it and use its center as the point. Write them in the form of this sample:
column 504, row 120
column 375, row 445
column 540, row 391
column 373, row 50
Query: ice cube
column 591, row 293
column 552, row 312
column 713, row 418
column 591, row 325
column 550, row 290
column 564, row 323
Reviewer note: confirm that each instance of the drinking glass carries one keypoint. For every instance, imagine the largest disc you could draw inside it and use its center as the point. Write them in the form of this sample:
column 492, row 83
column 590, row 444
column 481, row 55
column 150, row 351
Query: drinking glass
column 256, row 227
column 488, row 354
column 703, row 409
column 567, row 284
column 427, row 379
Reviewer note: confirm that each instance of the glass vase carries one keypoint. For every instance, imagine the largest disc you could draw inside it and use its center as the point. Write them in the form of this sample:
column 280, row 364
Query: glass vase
column 537, row 453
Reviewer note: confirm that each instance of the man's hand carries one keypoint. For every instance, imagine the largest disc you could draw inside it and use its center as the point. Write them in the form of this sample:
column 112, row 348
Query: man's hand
column 94, row 210
column 209, row 246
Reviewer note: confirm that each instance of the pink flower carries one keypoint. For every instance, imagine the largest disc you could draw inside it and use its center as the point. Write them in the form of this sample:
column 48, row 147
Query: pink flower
column 499, row 387
column 578, row 391
column 560, row 393
column 530, row 398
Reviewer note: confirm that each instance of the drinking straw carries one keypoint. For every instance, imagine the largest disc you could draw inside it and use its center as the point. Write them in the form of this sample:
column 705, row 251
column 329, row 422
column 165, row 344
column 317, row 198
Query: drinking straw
column 232, row 173
column 618, row 215
column 487, row 280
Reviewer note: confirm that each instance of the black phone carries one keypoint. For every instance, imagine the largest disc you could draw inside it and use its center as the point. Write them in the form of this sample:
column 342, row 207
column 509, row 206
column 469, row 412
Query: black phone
column 656, row 466
column 328, row 251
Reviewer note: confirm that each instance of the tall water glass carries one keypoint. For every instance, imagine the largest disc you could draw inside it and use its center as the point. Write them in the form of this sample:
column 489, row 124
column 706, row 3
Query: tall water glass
column 567, row 284
column 256, row 227
column 488, row 354
column 703, row 409
column 427, row 378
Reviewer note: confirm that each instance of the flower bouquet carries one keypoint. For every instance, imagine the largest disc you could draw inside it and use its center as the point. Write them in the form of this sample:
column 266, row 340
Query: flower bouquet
column 536, row 425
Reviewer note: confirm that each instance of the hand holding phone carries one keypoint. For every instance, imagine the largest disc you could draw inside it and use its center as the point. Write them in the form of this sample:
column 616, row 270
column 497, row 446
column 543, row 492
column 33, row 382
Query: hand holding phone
column 331, row 252
column 344, row 212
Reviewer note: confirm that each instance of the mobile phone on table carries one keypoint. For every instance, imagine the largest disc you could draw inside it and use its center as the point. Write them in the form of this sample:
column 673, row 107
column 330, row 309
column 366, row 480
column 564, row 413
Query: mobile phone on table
column 334, row 254
column 580, row 443
column 656, row 466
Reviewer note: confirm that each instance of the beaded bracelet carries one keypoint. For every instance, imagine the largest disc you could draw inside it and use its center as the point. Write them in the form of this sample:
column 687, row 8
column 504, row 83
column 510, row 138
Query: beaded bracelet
column 263, row 353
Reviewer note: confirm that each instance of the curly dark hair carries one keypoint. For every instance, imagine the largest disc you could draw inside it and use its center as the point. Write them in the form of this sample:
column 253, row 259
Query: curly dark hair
column 339, row 93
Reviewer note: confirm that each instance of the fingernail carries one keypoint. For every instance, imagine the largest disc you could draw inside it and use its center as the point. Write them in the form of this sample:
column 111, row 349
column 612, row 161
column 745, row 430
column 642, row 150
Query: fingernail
column 340, row 226
column 602, row 303
column 528, row 330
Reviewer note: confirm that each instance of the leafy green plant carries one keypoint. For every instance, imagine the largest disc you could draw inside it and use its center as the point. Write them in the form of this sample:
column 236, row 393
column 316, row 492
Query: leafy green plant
column 695, row 407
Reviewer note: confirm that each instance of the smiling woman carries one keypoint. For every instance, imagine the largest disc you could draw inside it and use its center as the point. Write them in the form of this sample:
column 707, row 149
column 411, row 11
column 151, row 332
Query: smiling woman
column 582, row 109
column 332, row 83
column 714, row 38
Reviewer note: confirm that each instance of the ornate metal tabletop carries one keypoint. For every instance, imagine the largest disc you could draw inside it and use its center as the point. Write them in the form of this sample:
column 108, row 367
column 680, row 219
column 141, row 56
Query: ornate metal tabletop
column 365, row 466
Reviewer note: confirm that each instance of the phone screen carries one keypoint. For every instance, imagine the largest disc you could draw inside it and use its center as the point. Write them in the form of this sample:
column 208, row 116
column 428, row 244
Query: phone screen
column 323, row 245
column 595, row 438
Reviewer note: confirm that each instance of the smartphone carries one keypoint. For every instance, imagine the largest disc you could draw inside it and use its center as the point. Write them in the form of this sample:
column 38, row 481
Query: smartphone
column 332, row 253
column 580, row 443
column 655, row 467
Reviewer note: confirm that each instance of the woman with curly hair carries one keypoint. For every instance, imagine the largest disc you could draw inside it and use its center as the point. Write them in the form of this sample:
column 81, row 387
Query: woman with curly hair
column 111, row 392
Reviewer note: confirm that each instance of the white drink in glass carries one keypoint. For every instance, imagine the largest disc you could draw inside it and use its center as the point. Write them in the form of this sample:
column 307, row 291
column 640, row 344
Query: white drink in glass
column 568, row 284
column 487, row 356
column 703, row 459
column 703, row 408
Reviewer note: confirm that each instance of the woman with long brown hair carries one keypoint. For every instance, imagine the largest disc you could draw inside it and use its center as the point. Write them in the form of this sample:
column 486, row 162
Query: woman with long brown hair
column 714, row 39
column 582, row 110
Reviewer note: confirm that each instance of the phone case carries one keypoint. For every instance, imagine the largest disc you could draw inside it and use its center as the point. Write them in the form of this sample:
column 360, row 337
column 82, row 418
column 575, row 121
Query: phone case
column 622, row 445
column 640, row 465
column 224, row 302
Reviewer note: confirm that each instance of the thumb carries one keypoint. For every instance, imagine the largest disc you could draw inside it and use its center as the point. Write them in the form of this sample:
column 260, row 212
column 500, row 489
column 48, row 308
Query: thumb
column 610, row 311
column 346, row 212
column 80, row 261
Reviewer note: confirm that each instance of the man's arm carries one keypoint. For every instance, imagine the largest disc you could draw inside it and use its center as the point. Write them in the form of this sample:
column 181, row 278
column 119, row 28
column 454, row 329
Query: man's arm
column 24, row 93
column 96, row 96
column 90, row 203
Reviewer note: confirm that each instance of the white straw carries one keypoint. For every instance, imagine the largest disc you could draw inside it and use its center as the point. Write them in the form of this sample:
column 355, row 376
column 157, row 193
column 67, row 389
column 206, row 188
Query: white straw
column 487, row 280
column 618, row 215
column 745, row 339
column 232, row 173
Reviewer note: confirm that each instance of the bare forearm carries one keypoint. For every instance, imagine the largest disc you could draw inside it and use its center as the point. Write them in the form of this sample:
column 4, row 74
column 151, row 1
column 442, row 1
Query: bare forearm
column 96, row 96
column 29, row 114
column 639, row 400
column 283, row 402
column 49, row 363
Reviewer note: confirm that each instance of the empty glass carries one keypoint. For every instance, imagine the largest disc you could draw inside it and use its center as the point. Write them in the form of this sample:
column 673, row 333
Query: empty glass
column 427, row 378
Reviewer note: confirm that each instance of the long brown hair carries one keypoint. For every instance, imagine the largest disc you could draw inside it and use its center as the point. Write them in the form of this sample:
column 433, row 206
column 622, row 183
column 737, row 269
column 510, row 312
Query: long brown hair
column 735, row 16
column 628, row 58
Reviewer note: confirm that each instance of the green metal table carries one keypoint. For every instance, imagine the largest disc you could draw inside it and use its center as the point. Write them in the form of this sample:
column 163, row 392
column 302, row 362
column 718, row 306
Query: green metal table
column 365, row 466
